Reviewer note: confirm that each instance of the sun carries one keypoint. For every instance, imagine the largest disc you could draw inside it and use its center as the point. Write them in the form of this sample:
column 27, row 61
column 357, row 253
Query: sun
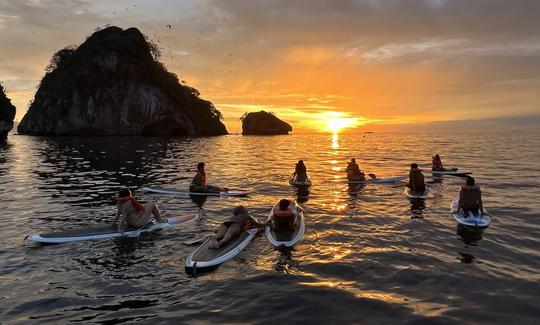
column 336, row 124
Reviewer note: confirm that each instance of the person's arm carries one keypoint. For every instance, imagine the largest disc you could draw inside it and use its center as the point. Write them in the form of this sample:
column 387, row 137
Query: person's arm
column 122, row 222
column 117, row 214
column 480, row 205
column 460, row 202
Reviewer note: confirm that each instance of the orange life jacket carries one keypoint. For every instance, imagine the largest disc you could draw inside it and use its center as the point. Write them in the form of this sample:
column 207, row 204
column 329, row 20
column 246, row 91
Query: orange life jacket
column 285, row 213
column 136, row 204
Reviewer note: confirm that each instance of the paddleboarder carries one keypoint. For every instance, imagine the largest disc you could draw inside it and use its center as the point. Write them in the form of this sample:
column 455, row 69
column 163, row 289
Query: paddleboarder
column 353, row 171
column 300, row 171
column 240, row 221
column 416, row 180
column 131, row 213
column 283, row 218
column 199, row 185
column 470, row 197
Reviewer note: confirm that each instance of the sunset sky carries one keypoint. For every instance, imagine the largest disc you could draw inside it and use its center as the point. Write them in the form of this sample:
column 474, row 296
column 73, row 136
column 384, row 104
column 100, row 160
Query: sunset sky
column 379, row 63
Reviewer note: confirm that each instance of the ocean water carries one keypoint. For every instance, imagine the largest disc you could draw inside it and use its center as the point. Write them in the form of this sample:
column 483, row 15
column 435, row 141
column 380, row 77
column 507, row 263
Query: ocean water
column 370, row 255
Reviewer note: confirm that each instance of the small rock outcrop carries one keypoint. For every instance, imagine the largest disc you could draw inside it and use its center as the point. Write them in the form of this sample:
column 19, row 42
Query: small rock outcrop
column 7, row 114
column 263, row 123
column 113, row 84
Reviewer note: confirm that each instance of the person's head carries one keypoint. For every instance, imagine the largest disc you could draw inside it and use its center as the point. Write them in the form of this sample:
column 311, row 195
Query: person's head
column 200, row 166
column 414, row 166
column 284, row 204
column 437, row 157
column 125, row 192
column 300, row 162
column 470, row 181
column 353, row 160
column 239, row 210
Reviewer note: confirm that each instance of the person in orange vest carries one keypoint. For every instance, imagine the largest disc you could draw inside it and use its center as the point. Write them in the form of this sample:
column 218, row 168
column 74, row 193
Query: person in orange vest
column 353, row 171
column 284, row 217
column 199, row 185
column 131, row 213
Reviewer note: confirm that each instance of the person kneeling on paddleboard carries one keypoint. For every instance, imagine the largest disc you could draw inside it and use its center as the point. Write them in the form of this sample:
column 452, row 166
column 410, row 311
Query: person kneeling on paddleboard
column 353, row 171
column 470, row 197
column 131, row 213
column 416, row 180
column 283, row 218
column 231, row 228
column 199, row 185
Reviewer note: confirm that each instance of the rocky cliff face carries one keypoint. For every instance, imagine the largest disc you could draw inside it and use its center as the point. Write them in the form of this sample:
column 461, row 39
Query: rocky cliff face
column 263, row 123
column 113, row 85
column 7, row 114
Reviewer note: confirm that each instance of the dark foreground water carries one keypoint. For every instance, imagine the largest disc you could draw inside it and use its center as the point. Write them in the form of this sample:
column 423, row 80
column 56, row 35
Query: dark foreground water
column 369, row 255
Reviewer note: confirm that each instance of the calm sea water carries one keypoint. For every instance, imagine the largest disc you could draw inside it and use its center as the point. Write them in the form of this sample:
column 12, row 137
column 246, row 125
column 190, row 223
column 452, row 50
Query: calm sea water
column 369, row 255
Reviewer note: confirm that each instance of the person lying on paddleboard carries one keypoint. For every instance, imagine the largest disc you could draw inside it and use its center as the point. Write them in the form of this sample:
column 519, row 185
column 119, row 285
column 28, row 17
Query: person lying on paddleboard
column 416, row 180
column 300, row 171
column 353, row 171
column 470, row 197
column 232, row 227
column 283, row 218
column 131, row 213
column 199, row 185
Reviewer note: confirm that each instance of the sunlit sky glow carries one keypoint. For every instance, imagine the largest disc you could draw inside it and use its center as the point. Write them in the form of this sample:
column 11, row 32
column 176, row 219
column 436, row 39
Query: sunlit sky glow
column 373, row 63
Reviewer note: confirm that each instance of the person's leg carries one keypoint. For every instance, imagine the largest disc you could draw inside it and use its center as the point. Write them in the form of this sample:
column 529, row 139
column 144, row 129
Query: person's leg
column 219, row 234
column 233, row 231
column 155, row 211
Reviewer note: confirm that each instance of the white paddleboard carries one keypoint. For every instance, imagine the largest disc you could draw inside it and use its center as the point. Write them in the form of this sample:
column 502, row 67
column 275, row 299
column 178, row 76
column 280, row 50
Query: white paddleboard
column 106, row 231
column 379, row 180
column 295, row 182
column 205, row 257
column 177, row 192
column 479, row 220
column 411, row 195
column 287, row 239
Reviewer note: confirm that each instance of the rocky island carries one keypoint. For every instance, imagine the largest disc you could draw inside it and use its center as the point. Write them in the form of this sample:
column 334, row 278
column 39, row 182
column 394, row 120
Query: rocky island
column 114, row 84
column 263, row 123
column 7, row 114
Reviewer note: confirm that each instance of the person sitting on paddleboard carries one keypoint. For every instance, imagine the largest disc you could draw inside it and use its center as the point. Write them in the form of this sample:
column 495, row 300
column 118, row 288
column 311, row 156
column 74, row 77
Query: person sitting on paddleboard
column 131, row 213
column 353, row 171
column 283, row 218
column 436, row 165
column 300, row 171
column 416, row 180
column 470, row 197
column 199, row 185
column 232, row 227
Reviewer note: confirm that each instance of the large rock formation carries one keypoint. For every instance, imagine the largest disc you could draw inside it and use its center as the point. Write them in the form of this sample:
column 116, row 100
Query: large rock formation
column 113, row 84
column 7, row 114
column 263, row 123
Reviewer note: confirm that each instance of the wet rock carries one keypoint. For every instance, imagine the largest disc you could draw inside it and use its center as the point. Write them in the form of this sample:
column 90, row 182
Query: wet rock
column 263, row 123
column 7, row 114
column 113, row 84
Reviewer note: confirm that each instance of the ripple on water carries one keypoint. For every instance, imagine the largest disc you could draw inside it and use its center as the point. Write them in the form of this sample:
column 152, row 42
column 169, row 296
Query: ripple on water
column 370, row 255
